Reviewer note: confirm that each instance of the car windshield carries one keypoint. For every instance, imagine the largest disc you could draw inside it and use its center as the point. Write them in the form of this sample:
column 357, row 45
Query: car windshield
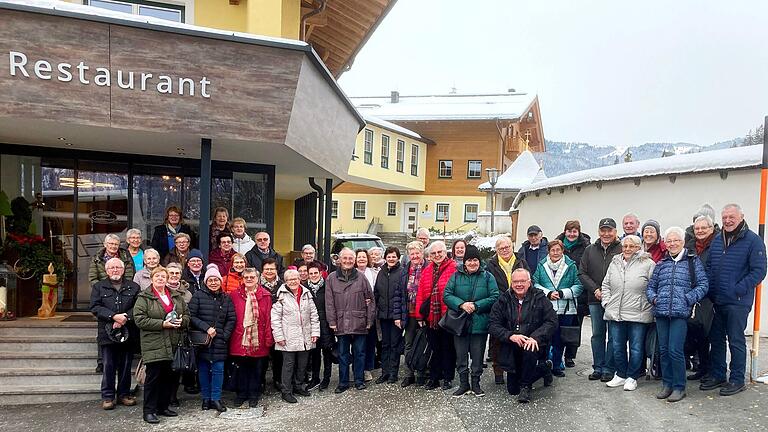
column 355, row 244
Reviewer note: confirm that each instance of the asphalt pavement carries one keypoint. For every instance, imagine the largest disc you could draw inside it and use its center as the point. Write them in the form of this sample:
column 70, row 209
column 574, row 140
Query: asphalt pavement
column 572, row 403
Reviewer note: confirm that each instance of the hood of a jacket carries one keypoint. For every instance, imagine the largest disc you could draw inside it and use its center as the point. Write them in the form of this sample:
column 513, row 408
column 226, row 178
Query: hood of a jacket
column 618, row 258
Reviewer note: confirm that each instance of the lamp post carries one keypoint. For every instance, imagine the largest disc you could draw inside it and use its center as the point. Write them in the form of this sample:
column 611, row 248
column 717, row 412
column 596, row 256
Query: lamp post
column 493, row 177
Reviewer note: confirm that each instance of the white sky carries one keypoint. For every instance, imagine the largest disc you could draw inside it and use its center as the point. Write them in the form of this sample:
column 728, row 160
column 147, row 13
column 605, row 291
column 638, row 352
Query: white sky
column 606, row 72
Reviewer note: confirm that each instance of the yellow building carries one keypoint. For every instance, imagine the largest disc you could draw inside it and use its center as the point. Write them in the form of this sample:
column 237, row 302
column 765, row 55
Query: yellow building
column 457, row 136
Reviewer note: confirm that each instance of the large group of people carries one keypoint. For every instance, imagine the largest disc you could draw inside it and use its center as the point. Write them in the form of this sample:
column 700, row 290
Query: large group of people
column 689, row 291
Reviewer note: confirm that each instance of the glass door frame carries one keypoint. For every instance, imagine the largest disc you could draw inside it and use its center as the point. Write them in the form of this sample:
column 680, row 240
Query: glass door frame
column 189, row 168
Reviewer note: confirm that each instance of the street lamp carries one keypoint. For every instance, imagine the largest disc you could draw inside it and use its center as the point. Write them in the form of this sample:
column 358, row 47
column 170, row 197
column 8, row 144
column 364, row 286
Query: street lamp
column 493, row 177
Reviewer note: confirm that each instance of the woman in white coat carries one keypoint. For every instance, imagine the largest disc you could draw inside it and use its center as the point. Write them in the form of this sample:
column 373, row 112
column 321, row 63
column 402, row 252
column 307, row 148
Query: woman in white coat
column 296, row 328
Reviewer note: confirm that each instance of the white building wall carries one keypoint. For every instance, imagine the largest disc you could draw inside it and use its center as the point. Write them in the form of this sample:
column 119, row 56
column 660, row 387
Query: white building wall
column 654, row 198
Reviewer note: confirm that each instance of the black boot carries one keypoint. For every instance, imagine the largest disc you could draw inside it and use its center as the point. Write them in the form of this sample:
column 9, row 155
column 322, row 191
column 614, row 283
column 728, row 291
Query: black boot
column 463, row 385
column 476, row 387
column 218, row 406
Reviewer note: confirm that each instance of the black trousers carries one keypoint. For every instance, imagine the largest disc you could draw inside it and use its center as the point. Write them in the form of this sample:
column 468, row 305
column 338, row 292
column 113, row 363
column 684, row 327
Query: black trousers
column 443, row 355
column 117, row 359
column 294, row 365
column 391, row 348
column 472, row 345
column 157, row 386
column 697, row 342
column 529, row 367
column 318, row 355
column 248, row 377
column 276, row 357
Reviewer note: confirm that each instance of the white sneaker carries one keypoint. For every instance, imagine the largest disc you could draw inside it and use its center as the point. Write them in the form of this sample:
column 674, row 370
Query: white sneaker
column 617, row 381
column 630, row 384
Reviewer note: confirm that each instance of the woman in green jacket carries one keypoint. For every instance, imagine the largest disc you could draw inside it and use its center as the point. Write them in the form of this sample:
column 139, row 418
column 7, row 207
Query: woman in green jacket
column 558, row 277
column 161, row 314
column 474, row 291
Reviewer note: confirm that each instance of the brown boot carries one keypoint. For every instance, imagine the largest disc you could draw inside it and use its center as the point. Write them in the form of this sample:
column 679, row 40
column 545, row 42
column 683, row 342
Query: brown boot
column 127, row 400
column 108, row 404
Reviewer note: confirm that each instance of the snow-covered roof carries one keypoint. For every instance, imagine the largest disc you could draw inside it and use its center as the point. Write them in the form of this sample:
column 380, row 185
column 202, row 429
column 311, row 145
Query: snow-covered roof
column 739, row 157
column 391, row 126
column 524, row 171
column 446, row 107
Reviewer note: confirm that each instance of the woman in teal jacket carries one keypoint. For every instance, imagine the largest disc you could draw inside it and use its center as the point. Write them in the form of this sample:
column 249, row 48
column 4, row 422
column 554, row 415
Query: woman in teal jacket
column 558, row 277
column 474, row 291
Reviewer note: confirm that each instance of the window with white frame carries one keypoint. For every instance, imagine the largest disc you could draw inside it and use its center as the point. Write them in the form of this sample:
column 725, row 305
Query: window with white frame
column 359, row 211
column 445, row 169
column 368, row 147
column 334, row 209
column 470, row 212
column 474, row 169
column 385, row 151
column 414, row 160
column 442, row 212
column 391, row 208
column 161, row 10
column 400, row 156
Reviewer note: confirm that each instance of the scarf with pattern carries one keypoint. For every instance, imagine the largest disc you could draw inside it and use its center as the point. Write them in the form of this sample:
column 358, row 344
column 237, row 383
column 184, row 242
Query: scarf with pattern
column 250, row 340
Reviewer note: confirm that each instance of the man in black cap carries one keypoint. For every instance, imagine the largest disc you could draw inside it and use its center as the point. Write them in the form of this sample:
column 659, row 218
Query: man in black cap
column 594, row 264
column 112, row 303
column 535, row 248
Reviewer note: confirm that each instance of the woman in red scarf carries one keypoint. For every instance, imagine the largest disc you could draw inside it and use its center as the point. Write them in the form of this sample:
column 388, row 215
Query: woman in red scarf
column 252, row 337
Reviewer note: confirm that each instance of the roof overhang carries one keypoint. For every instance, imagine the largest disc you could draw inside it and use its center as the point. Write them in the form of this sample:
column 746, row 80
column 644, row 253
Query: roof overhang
column 269, row 101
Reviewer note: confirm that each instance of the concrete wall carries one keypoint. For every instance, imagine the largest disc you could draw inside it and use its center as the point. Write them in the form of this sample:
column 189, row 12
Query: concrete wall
column 654, row 198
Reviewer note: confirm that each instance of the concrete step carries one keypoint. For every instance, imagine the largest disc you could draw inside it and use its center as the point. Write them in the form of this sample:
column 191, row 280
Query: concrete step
column 46, row 393
column 59, row 329
column 47, row 360
column 53, row 344
column 54, row 376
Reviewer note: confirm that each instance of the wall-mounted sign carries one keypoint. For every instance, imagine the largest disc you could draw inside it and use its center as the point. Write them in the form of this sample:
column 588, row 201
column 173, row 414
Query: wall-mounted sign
column 102, row 217
column 19, row 65
column 426, row 214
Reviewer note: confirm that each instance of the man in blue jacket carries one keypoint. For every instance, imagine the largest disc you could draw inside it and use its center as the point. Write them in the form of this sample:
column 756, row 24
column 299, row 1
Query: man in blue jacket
column 736, row 265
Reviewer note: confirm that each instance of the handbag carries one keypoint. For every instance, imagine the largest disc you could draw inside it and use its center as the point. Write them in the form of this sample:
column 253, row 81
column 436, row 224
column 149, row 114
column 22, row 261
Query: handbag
column 457, row 322
column 184, row 359
column 199, row 338
column 141, row 372
column 570, row 335
column 420, row 356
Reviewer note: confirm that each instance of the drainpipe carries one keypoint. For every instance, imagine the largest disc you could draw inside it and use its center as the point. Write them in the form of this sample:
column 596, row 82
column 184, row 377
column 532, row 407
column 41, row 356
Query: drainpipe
column 304, row 18
column 320, row 218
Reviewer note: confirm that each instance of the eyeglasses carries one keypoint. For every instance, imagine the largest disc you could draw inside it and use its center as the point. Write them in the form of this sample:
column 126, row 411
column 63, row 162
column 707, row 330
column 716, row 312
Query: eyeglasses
column 503, row 248
column 174, row 272
column 262, row 239
column 249, row 277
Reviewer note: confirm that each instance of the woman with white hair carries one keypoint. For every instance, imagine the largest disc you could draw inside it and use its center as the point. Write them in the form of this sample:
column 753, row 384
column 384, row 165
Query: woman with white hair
column 295, row 329
column 151, row 261
column 97, row 271
column 627, row 309
column 678, row 282
column 134, row 240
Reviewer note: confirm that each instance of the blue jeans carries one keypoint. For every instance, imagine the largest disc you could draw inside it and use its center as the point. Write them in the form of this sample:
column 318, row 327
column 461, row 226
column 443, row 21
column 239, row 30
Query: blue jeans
column 557, row 346
column 357, row 357
column 211, row 379
column 672, row 333
column 729, row 321
column 602, row 358
column 623, row 332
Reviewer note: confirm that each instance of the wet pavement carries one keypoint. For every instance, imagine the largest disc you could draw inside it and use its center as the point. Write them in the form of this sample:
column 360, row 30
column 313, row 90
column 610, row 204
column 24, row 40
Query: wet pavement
column 573, row 403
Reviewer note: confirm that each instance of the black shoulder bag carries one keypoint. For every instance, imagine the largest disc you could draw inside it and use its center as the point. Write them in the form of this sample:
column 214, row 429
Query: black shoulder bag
column 457, row 323
column 570, row 335
column 184, row 359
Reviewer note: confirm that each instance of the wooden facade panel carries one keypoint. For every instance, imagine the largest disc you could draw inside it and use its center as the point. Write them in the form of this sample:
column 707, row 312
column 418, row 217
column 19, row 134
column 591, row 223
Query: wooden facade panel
column 251, row 91
column 42, row 37
column 251, row 88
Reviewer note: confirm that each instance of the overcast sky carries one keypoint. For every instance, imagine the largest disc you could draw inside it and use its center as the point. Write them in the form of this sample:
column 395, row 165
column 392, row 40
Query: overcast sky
column 606, row 72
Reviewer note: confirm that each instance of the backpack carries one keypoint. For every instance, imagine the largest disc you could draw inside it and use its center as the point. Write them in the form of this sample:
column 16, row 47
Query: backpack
column 420, row 356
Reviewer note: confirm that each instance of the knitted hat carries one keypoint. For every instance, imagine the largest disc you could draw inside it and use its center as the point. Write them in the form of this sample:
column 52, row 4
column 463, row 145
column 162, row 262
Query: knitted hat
column 471, row 253
column 655, row 225
column 213, row 271
column 195, row 253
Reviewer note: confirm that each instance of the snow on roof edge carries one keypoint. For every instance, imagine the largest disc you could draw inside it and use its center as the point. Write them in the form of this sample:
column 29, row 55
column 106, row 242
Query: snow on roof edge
column 389, row 125
column 739, row 157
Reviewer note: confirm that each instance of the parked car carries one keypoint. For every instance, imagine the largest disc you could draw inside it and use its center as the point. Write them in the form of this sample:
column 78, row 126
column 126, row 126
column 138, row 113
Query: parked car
column 354, row 241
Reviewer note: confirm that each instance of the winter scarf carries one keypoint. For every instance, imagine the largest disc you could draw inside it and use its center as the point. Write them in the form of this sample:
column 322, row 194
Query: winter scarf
column 314, row 287
column 555, row 270
column 570, row 244
column 414, row 275
column 250, row 339
column 701, row 245
column 435, row 309
column 165, row 299
column 270, row 286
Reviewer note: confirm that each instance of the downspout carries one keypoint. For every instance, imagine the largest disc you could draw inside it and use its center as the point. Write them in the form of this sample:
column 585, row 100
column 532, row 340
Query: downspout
column 304, row 18
column 320, row 218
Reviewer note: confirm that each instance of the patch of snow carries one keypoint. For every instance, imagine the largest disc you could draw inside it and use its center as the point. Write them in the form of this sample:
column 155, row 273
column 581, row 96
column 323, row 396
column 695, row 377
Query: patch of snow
column 389, row 125
column 446, row 107
column 487, row 242
column 740, row 157
column 521, row 173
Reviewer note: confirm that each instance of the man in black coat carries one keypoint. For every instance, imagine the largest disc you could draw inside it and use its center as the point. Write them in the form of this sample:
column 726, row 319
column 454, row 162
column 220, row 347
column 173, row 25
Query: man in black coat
column 112, row 303
column 523, row 321
column 594, row 264
column 263, row 250
column 501, row 267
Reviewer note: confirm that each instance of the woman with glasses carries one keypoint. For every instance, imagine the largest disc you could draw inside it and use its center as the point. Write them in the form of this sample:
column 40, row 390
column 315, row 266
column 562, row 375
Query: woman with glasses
column 212, row 312
column 151, row 261
column 178, row 285
column 316, row 285
column 234, row 278
column 295, row 329
column 222, row 255
column 164, row 235
column 135, row 247
column 180, row 251
column 252, row 337
column 627, row 310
